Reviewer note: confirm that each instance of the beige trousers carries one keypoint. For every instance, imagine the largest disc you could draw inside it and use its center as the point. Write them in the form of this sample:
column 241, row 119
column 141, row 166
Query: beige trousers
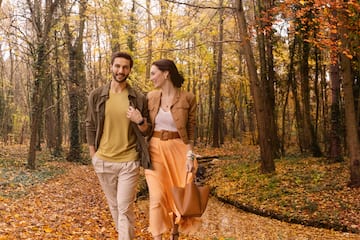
column 119, row 182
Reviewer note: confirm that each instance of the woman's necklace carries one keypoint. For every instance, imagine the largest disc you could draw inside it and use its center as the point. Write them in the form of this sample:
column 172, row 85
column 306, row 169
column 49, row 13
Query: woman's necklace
column 166, row 102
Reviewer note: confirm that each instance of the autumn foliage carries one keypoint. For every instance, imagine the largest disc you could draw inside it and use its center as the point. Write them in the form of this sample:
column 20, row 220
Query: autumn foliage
column 63, row 200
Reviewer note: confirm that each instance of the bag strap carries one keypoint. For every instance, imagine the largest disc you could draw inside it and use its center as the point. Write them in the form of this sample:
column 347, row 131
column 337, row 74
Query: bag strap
column 186, row 177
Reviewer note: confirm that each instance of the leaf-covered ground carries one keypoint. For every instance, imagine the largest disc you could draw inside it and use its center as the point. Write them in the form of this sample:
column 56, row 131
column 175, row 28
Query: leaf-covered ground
column 303, row 190
column 63, row 200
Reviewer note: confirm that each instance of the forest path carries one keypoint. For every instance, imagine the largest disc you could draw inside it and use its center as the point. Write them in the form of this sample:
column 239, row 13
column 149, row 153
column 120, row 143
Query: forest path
column 72, row 206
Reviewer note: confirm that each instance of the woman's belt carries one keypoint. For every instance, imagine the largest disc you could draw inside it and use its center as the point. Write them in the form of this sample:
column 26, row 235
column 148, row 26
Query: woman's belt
column 165, row 135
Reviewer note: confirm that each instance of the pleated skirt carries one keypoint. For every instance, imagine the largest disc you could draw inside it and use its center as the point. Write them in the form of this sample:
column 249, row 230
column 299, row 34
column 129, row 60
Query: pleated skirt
column 169, row 169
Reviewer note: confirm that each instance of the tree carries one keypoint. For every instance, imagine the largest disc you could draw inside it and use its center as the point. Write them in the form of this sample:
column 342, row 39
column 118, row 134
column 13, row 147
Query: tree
column 131, row 42
column 351, row 124
column 266, row 151
column 267, row 75
column 149, row 40
column 351, row 120
column 76, row 83
column 42, row 19
column 306, row 26
column 217, row 109
column 115, row 24
column 335, row 153
column 58, row 108
column 6, row 98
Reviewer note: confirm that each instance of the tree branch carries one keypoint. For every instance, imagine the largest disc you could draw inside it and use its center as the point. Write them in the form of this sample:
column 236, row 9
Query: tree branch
column 198, row 6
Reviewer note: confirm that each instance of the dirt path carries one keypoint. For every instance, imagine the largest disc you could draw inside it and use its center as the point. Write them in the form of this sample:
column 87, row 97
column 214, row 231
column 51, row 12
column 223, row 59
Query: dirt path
column 72, row 206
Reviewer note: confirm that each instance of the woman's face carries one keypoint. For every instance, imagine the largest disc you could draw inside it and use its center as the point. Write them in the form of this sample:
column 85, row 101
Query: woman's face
column 157, row 76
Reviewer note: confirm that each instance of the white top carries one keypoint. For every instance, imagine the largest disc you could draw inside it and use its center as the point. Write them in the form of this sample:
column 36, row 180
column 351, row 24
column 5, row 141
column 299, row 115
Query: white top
column 164, row 121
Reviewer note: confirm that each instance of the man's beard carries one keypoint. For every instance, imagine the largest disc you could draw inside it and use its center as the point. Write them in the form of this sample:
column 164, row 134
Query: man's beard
column 122, row 80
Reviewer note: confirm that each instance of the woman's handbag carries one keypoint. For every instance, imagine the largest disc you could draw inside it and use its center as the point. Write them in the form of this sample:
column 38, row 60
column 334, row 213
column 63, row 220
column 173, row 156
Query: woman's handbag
column 192, row 199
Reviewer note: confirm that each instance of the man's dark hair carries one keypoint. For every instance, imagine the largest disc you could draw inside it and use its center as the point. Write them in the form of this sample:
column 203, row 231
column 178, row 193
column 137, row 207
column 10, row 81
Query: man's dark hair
column 122, row 55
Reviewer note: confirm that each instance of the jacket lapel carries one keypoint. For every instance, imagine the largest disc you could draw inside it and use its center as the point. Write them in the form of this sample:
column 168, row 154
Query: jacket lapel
column 176, row 98
column 157, row 99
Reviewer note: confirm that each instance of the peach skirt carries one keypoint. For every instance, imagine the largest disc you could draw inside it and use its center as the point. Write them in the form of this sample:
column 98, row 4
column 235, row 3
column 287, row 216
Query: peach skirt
column 169, row 169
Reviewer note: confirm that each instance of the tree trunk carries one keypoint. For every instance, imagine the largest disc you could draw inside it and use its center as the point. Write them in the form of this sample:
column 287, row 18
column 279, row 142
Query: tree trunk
column 305, row 28
column 131, row 42
column 58, row 143
column 294, row 89
column 201, row 123
column 266, row 153
column 74, row 154
column 252, row 121
column 212, row 79
column 58, row 113
column 37, row 105
column 311, row 143
column 217, row 109
column 76, row 84
column 324, row 106
column 316, row 89
column 270, row 100
column 267, row 72
column 352, row 135
column 283, row 122
column 6, row 97
column 50, row 127
column 291, row 85
column 149, row 41
column 115, row 24
column 42, row 23
column 335, row 154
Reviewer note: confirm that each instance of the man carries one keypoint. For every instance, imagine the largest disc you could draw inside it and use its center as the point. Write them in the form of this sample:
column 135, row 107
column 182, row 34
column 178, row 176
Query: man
column 117, row 119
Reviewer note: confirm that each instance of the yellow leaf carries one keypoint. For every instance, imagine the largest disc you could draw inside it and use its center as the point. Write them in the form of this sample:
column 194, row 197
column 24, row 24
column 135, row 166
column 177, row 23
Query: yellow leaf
column 48, row 229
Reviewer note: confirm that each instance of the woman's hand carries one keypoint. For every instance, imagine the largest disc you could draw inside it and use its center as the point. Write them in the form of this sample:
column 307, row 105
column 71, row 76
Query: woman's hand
column 189, row 165
column 190, row 161
column 134, row 115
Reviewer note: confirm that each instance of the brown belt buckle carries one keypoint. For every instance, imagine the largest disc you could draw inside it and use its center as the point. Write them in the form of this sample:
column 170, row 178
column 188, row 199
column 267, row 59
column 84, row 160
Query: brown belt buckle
column 164, row 135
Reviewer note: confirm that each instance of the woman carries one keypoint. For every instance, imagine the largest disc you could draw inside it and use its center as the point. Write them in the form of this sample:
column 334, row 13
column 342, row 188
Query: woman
column 172, row 112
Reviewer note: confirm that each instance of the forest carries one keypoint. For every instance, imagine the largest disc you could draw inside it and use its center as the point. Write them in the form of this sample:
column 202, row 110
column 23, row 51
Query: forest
column 280, row 74
column 277, row 85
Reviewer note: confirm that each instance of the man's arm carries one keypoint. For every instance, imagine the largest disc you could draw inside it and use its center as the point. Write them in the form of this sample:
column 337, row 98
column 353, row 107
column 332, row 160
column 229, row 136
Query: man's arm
column 90, row 126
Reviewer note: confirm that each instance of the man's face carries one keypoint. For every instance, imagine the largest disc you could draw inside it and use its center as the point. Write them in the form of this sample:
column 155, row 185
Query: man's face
column 121, row 69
